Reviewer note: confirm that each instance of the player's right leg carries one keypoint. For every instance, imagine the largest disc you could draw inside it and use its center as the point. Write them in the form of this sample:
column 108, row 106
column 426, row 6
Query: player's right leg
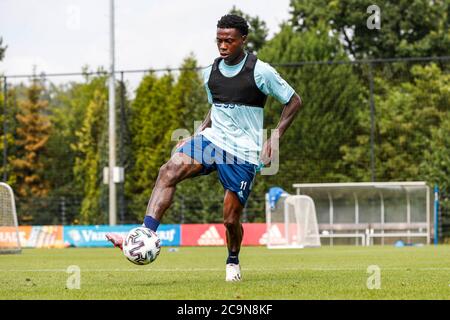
column 116, row 239
column 179, row 167
column 190, row 160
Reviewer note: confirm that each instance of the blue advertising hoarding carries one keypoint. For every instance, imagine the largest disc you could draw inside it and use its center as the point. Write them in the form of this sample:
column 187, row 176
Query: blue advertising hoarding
column 95, row 236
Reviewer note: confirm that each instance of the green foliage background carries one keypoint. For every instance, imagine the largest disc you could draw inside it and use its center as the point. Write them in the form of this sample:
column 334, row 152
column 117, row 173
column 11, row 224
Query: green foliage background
column 328, row 142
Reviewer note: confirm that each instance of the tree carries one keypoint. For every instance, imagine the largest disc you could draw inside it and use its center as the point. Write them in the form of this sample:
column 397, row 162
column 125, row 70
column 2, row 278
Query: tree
column 4, row 121
column 436, row 161
column 436, row 167
column 258, row 30
column 91, row 158
column 32, row 133
column 406, row 114
column 2, row 50
column 189, row 96
column 408, row 28
column 8, row 122
column 151, row 121
column 124, row 147
column 68, row 107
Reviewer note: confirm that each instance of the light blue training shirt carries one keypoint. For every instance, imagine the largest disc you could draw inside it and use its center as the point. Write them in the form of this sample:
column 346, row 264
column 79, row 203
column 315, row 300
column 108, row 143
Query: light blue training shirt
column 238, row 129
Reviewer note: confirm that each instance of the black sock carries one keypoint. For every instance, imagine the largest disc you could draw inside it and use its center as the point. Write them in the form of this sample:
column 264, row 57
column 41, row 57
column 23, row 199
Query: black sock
column 233, row 257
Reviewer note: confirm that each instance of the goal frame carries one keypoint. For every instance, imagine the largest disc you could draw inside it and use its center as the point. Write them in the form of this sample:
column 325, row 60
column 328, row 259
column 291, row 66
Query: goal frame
column 18, row 250
column 286, row 222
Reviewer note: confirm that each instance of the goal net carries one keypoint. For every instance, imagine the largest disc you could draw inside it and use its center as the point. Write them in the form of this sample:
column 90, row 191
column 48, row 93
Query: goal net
column 292, row 222
column 9, row 230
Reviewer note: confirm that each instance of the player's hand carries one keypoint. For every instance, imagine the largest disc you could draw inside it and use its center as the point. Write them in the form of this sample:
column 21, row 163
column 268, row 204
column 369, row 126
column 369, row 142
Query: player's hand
column 266, row 153
column 269, row 150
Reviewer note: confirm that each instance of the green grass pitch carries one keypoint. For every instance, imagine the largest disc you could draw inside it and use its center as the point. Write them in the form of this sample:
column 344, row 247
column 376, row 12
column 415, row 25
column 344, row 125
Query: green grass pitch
column 339, row 272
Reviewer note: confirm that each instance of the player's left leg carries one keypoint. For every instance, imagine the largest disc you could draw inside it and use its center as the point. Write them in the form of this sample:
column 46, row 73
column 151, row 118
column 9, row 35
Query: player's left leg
column 232, row 210
column 237, row 178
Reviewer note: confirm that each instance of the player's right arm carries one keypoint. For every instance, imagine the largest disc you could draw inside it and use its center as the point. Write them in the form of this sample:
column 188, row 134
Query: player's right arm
column 207, row 122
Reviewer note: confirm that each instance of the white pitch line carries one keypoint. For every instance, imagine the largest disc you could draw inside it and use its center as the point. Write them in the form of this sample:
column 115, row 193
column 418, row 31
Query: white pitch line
column 362, row 269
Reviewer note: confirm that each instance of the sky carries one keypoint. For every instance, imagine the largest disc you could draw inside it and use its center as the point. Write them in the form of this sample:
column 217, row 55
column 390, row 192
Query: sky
column 57, row 36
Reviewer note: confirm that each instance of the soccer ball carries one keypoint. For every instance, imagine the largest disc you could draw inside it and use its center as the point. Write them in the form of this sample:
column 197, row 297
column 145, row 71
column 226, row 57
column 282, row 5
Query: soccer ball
column 141, row 246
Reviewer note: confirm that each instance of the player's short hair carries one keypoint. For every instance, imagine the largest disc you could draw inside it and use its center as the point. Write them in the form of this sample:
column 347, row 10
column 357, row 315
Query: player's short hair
column 233, row 21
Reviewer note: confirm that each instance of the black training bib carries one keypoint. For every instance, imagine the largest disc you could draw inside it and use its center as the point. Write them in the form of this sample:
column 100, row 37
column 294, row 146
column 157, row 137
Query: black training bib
column 240, row 89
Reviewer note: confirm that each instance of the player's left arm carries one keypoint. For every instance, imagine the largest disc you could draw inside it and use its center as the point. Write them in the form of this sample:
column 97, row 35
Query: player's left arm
column 288, row 115
column 290, row 110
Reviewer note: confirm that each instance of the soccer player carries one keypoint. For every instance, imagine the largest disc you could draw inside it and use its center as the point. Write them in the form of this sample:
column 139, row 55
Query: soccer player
column 230, row 138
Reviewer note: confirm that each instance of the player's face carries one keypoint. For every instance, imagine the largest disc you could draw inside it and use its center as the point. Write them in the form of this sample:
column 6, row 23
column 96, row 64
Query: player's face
column 230, row 43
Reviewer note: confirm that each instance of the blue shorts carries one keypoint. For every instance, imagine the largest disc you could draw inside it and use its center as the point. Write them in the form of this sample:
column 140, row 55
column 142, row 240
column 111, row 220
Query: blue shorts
column 235, row 174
